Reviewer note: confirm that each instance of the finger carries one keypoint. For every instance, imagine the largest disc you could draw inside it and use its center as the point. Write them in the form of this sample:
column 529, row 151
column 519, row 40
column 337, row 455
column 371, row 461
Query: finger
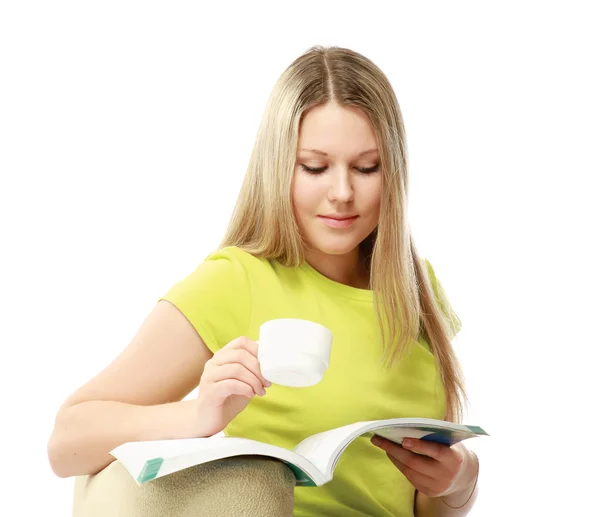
column 435, row 450
column 418, row 462
column 238, row 372
column 387, row 445
column 243, row 342
column 241, row 356
column 449, row 459
column 228, row 387
column 420, row 481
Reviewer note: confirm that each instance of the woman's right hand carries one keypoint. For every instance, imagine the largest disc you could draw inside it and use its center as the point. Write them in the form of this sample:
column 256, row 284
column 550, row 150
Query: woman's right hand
column 231, row 378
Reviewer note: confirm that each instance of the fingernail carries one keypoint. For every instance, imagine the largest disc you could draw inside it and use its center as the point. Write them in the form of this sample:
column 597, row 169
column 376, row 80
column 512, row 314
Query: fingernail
column 267, row 383
column 376, row 440
column 263, row 392
column 407, row 443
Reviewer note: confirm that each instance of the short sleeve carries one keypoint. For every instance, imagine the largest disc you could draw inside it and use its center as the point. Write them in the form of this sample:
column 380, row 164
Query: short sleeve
column 215, row 298
column 443, row 301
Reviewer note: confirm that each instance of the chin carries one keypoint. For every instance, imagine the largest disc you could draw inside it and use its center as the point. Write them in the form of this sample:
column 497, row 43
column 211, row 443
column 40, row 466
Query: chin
column 336, row 248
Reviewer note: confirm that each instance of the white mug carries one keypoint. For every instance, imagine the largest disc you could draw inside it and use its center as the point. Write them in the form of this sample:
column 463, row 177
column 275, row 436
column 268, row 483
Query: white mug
column 294, row 352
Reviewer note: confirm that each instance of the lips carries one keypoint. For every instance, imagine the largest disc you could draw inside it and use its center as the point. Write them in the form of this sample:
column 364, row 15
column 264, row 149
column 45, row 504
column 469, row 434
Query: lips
column 339, row 217
column 338, row 222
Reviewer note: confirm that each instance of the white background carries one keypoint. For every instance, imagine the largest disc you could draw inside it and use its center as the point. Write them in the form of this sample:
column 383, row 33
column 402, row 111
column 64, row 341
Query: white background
column 126, row 129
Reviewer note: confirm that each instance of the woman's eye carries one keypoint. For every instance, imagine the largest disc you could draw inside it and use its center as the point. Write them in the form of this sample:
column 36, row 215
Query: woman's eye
column 375, row 168
column 313, row 170
column 319, row 170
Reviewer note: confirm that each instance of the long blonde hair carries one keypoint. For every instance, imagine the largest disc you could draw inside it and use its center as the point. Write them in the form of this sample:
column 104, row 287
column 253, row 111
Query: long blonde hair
column 263, row 221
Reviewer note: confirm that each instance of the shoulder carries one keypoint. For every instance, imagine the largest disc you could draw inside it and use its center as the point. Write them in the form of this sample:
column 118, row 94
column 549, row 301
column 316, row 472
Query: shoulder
column 234, row 255
column 221, row 271
column 241, row 259
column 234, row 265
column 442, row 297
column 427, row 264
column 229, row 258
column 433, row 279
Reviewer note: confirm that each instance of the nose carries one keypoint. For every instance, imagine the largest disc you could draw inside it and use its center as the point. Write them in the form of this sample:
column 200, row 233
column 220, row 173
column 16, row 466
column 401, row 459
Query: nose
column 340, row 188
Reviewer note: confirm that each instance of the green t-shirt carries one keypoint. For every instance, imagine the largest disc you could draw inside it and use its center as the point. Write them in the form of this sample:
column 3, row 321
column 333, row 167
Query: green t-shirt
column 232, row 293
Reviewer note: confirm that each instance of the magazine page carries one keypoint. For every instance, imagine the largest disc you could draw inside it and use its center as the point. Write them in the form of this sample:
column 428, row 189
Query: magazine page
column 153, row 459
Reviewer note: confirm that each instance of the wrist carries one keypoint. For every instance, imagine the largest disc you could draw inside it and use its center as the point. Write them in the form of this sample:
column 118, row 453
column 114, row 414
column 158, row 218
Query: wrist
column 170, row 421
column 187, row 421
column 191, row 424
column 466, row 486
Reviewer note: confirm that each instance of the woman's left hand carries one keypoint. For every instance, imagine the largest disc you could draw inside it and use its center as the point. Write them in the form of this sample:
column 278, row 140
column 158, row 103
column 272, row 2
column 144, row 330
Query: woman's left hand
column 433, row 468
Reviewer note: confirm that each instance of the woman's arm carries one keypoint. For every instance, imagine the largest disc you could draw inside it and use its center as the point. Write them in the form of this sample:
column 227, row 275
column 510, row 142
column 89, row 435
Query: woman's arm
column 456, row 504
column 137, row 397
column 85, row 433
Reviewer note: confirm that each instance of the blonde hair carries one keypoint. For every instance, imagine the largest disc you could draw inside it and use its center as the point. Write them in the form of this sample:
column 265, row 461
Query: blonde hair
column 263, row 221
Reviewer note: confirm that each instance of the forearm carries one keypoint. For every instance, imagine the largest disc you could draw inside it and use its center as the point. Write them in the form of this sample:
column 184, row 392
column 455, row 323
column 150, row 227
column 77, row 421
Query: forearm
column 456, row 504
column 85, row 433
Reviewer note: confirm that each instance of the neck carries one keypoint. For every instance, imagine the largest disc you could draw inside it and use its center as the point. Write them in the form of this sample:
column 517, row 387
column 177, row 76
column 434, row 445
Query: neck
column 348, row 269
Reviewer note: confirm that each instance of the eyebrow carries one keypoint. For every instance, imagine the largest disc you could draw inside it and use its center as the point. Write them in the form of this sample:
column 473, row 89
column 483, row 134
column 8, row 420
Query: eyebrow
column 317, row 151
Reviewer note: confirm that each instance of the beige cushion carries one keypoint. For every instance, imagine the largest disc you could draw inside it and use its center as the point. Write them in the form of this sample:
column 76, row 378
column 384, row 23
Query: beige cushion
column 240, row 486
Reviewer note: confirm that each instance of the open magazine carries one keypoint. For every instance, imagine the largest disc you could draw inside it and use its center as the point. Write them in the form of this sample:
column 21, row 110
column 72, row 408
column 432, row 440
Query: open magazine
column 313, row 460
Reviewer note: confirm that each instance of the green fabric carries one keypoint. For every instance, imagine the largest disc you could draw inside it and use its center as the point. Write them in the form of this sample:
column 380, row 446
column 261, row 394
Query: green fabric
column 232, row 293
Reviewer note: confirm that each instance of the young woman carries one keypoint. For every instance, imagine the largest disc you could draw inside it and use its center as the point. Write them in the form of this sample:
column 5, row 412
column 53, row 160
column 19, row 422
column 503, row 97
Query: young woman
column 319, row 232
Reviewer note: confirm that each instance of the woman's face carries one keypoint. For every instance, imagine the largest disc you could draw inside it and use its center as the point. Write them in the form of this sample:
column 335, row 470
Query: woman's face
column 336, row 206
